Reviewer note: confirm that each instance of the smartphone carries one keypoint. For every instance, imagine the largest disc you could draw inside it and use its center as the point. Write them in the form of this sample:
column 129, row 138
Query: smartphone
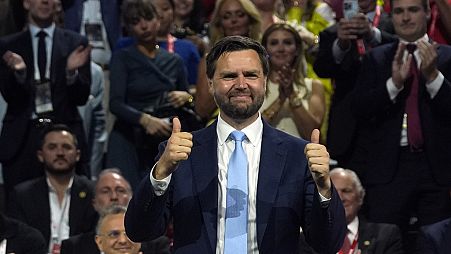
column 350, row 8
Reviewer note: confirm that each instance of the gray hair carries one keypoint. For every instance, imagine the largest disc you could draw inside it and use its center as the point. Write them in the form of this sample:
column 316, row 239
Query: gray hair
column 112, row 210
column 355, row 179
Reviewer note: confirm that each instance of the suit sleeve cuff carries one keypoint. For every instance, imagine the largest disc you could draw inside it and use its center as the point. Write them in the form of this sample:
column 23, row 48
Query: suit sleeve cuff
column 338, row 53
column 159, row 186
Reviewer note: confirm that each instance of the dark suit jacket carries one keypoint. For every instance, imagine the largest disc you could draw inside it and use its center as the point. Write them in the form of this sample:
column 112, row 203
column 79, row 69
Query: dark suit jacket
column 436, row 238
column 341, row 122
column 30, row 203
column 85, row 244
column 21, row 238
column 380, row 119
column 286, row 199
column 379, row 238
column 20, row 97
column 73, row 14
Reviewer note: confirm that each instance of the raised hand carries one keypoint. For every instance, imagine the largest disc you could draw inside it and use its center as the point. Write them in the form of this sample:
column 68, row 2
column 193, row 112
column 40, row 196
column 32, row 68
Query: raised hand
column 428, row 55
column 14, row 61
column 177, row 149
column 285, row 80
column 318, row 161
column 400, row 69
column 78, row 57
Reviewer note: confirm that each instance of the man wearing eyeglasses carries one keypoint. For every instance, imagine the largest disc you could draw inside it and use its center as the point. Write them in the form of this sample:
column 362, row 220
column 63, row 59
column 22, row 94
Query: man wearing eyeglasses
column 110, row 233
column 111, row 189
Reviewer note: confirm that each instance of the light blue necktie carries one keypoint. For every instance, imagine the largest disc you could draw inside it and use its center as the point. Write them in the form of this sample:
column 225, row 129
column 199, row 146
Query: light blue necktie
column 236, row 209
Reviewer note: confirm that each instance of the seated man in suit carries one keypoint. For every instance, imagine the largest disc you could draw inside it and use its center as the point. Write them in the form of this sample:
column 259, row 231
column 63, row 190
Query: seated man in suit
column 111, row 189
column 369, row 238
column 436, row 238
column 339, row 58
column 19, row 238
column 59, row 204
column 110, row 233
column 208, row 198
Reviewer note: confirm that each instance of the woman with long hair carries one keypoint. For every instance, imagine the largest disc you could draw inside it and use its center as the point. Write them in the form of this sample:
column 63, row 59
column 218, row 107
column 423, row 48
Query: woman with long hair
column 294, row 103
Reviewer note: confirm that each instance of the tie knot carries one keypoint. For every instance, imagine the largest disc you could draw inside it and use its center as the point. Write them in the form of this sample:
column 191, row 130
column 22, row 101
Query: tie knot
column 237, row 135
column 411, row 48
column 41, row 34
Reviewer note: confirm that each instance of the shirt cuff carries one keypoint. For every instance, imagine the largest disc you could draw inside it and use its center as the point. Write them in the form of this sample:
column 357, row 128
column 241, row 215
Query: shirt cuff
column 71, row 76
column 434, row 86
column 377, row 37
column 21, row 76
column 338, row 53
column 324, row 201
column 159, row 186
column 393, row 91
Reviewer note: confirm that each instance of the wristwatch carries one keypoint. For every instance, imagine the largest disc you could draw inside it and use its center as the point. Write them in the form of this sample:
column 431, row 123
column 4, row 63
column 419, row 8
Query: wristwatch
column 295, row 100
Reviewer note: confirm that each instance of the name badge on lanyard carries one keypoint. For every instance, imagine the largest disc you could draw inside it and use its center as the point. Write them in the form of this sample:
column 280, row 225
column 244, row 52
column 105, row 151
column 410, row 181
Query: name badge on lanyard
column 43, row 98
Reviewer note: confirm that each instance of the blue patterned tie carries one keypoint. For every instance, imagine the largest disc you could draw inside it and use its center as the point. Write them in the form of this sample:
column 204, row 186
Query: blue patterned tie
column 236, row 210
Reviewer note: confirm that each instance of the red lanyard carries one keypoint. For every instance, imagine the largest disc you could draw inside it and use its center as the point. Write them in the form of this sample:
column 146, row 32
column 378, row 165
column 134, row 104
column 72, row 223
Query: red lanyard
column 353, row 245
column 171, row 40
column 377, row 16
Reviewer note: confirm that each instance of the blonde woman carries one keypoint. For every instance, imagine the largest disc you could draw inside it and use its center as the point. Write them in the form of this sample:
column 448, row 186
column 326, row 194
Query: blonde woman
column 293, row 103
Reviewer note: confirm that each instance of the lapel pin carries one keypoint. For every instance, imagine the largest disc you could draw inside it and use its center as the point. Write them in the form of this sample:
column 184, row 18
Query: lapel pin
column 82, row 194
column 366, row 243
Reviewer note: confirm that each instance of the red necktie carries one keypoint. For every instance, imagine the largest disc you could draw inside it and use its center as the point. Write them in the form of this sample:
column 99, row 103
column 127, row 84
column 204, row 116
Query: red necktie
column 346, row 245
column 414, row 132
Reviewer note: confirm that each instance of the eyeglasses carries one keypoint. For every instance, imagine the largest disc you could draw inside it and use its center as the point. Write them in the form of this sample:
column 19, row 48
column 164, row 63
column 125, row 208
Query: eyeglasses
column 114, row 234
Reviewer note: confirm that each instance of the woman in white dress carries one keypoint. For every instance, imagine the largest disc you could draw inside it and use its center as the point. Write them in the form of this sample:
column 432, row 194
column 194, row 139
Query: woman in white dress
column 293, row 103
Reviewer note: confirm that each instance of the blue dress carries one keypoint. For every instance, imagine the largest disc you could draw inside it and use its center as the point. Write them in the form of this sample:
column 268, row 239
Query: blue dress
column 136, row 83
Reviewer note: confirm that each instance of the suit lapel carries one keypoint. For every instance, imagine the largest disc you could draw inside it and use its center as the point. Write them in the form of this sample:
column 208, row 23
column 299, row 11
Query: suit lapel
column 272, row 161
column 58, row 50
column 78, row 203
column 28, row 53
column 40, row 195
column 205, row 178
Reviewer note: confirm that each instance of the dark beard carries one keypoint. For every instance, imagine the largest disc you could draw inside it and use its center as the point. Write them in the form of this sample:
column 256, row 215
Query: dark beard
column 59, row 172
column 239, row 113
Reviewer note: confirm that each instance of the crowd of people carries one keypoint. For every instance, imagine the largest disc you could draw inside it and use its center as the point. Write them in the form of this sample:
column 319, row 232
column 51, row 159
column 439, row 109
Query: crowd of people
column 225, row 126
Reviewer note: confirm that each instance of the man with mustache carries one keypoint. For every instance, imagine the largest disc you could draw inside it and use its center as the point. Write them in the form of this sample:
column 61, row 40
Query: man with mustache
column 59, row 204
column 239, row 185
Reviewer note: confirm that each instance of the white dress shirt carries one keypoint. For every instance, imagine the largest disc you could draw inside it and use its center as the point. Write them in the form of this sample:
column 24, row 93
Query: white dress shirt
column 431, row 87
column 34, row 30
column 59, row 215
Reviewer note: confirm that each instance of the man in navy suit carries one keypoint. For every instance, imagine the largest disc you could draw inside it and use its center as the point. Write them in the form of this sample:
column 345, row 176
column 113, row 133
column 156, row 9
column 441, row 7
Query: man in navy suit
column 40, row 88
column 287, row 190
column 405, row 127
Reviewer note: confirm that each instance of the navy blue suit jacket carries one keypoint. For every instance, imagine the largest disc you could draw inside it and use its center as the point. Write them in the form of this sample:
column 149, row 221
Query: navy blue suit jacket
column 286, row 200
column 380, row 119
column 436, row 238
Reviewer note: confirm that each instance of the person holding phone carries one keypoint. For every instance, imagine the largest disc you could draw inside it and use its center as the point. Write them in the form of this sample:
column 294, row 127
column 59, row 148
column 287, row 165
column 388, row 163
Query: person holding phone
column 339, row 58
